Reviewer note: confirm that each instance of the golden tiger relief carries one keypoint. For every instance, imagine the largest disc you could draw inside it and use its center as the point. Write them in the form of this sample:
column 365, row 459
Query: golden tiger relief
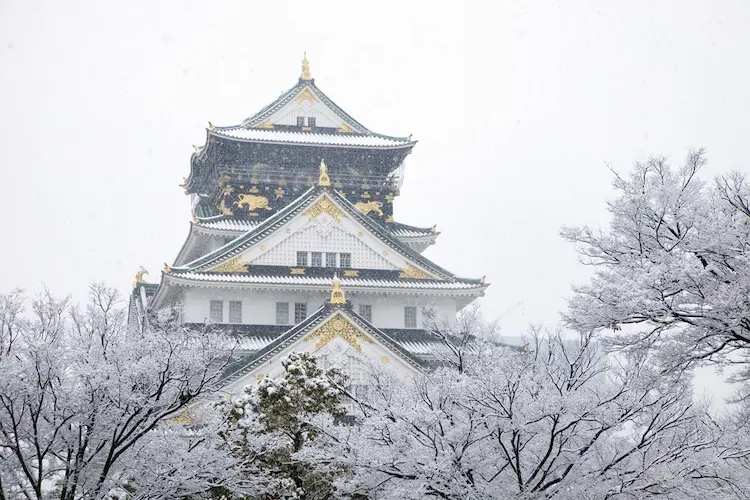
column 370, row 206
column 253, row 202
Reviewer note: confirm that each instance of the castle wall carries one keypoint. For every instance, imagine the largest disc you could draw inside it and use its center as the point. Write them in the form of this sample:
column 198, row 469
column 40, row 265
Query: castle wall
column 259, row 307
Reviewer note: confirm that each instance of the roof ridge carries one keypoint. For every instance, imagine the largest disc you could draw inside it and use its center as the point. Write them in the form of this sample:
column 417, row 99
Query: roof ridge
column 227, row 249
column 410, row 253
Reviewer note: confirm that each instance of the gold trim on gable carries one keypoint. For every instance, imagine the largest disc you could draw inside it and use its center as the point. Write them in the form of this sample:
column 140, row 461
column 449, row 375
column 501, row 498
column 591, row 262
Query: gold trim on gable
column 345, row 128
column 230, row 266
column 338, row 326
column 306, row 95
column 412, row 272
column 325, row 206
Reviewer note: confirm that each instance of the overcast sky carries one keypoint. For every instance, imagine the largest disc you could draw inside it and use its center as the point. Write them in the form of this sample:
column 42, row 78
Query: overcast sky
column 517, row 108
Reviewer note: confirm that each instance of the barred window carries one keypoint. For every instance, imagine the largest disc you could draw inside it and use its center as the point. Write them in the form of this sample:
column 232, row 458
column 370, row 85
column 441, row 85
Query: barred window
column 365, row 310
column 235, row 311
column 300, row 311
column 300, row 121
column 310, row 121
column 345, row 260
column 216, row 311
column 316, row 259
column 301, row 258
column 331, row 259
column 282, row 313
column 410, row 317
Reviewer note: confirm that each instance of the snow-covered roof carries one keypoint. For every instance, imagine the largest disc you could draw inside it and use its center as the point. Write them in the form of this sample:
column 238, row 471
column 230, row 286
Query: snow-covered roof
column 266, row 135
column 325, row 282
column 398, row 230
column 230, row 224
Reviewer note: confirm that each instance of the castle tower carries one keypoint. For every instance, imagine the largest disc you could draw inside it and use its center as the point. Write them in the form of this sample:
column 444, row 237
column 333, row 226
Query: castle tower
column 295, row 200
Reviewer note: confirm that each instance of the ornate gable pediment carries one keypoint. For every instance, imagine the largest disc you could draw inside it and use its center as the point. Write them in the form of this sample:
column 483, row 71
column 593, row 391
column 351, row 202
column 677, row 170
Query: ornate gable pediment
column 335, row 336
column 307, row 102
column 324, row 225
column 338, row 326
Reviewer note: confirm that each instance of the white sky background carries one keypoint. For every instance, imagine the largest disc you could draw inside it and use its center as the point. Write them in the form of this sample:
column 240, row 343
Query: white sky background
column 517, row 109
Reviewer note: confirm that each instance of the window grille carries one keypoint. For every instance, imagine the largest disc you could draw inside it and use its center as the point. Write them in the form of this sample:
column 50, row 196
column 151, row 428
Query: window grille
column 300, row 121
column 282, row 313
column 235, row 311
column 365, row 310
column 300, row 311
column 216, row 311
column 345, row 260
column 310, row 121
column 301, row 258
column 410, row 317
column 316, row 259
column 331, row 259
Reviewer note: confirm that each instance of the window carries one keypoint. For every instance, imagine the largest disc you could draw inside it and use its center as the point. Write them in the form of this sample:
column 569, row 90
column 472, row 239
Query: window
column 310, row 121
column 300, row 311
column 331, row 259
column 216, row 312
column 282, row 313
column 235, row 311
column 365, row 310
column 316, row 259
column 300, row 121
column 301, row 258
column 410, row 317
column 345, row 260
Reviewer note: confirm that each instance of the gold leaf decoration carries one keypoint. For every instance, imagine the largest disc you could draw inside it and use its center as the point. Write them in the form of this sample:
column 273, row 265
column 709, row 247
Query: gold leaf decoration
column 231, row 266
column 325, row 206
column 306, row 95
column 370, row 206
column 266, row 124
column 297, row 270
column 306, row 75
column 338, row 326
column 412, row 272
column 345, row 128
column 253, row 202
column 351, row 273
column 337, row 293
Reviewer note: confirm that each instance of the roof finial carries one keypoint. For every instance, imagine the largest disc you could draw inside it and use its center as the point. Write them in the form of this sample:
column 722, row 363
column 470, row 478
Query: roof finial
column 139, row 276
column 337, row 293
column 306, row 68
column 323, row 180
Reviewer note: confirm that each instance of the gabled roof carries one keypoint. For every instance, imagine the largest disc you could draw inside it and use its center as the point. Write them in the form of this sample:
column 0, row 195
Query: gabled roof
column 309, row 325
column 276, row 221
column 257, row 127
column 286, row 97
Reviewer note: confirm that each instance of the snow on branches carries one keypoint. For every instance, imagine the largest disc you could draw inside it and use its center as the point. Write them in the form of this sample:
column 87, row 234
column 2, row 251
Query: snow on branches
column 80, row 394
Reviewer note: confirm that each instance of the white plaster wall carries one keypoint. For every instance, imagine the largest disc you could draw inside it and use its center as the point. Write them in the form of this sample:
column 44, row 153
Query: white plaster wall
column 259, row 307
column 323, row 236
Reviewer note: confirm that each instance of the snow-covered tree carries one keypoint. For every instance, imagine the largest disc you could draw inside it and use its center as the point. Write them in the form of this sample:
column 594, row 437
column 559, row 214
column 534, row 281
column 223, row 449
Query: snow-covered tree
column 274, row 421
column 80, row 395
column 674, row 265
column 553, row 421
